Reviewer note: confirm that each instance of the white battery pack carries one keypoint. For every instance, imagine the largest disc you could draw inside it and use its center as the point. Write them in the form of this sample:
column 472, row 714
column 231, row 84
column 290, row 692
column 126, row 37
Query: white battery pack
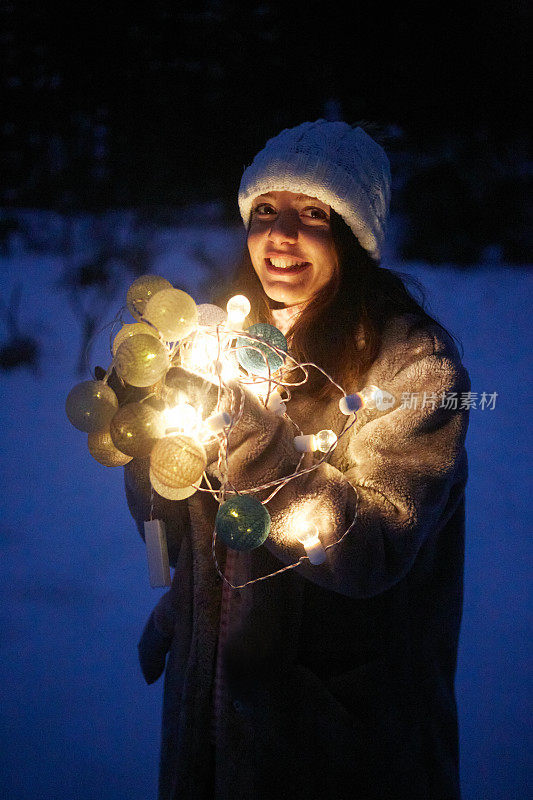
column 157, row 553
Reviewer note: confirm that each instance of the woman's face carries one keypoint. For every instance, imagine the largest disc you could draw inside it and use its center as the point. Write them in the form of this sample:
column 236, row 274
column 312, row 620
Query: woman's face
column 291, row 246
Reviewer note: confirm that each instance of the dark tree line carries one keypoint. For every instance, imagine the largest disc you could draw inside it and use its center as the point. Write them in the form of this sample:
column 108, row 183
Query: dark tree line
column 162, row 104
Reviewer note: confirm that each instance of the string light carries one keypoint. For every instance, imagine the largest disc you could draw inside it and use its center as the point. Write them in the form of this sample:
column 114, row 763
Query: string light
column 91, row 405
column 103, row 450
column 176, row 462
column 182, row 418
column 307, row 534
column 141, row 290
column 171, row 330
column 260, row 357
column 242, row 522
column 323, row 441
column 173, row 313
column 211, row 315
column 131, row 329
column 135, row 429
column 238, row 308
column 141, row 360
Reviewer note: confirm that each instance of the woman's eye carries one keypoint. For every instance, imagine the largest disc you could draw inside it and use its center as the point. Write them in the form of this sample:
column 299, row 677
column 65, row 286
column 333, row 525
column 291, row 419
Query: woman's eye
column 263, row 208
column 315, row 213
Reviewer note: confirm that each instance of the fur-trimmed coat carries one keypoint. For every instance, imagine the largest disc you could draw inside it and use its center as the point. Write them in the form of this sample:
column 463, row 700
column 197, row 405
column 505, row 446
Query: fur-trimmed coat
column 339, row 677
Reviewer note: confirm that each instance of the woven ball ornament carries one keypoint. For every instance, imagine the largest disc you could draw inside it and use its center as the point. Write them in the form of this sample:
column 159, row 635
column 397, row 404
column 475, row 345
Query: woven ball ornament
column 135, row 429
column 131, row 329
column 176, row 462
column 168, row 492
column 103, row 450
column 173, row 312
column 254, row 357
column 209, row 314
column 242, row 522
column 141, row 290
column 141, row 360
column 90, row 406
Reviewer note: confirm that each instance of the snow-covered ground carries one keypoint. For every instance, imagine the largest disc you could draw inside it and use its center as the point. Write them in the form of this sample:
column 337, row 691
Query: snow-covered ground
column 77, row 719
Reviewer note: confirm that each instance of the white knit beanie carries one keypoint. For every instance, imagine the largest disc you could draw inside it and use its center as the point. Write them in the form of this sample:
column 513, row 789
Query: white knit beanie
column 338, row 164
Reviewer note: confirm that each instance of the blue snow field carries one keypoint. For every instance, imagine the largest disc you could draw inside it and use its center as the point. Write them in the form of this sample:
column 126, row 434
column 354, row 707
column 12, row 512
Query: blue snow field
column 78, row 722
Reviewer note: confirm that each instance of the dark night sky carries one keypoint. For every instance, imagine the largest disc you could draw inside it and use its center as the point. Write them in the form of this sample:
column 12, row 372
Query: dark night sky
column 188, row 92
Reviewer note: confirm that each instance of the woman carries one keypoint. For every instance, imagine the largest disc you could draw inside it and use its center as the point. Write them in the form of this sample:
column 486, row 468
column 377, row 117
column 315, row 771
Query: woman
column 334, row 680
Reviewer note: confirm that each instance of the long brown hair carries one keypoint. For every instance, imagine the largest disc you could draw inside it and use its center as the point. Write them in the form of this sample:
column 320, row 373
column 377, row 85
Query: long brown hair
column 360, row 299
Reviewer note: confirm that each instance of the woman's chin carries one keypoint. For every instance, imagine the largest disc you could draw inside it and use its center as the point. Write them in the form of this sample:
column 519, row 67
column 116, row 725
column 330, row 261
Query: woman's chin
column 284, row 293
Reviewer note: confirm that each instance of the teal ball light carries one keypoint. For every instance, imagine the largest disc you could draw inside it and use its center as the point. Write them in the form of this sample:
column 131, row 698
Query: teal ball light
column 252, row 358
column 242, row 522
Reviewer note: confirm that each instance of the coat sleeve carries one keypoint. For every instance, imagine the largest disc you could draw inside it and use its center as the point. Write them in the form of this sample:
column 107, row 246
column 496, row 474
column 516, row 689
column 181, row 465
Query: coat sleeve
column 396, row 476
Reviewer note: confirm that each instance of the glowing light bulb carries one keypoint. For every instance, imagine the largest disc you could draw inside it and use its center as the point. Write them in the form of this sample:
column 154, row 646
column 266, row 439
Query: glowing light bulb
column 182, row 418
column 173, row 313
column 227, row 371
column 380, row 399
column 200, row 354
column 276, row 404
column 141, row 290
column 307, row 534
column 238, row 308
column 141, row 360
column 325, row 440
column 90, row 406
column 217, row 422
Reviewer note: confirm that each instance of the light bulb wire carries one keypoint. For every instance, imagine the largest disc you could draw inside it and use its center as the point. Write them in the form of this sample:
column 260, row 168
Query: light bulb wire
column 283, row 569
column 225, row 346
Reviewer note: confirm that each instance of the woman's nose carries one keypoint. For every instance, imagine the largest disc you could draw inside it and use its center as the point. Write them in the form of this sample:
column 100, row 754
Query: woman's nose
column 284, row 228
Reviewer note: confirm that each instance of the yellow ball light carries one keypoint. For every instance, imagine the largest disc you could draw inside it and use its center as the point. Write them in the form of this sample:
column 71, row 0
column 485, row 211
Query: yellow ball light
column 173, row 312
column 177, row 462
column 103, row 450
column 141, row 290
column 91, row 405
column 141, row 360
column 135, row 429
column 168, row 493
column 131, row 329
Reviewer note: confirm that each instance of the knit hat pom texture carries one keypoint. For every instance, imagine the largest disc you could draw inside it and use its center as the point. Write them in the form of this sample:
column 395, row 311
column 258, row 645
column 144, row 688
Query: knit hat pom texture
column 338, row 164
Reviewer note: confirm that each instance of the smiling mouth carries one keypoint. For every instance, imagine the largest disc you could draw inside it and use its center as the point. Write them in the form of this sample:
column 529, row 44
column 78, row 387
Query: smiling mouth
column 286, row 266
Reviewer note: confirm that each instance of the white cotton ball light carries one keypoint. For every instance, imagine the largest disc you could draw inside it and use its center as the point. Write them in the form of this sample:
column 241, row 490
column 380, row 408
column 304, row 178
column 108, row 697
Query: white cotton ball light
column 168, row 492
column 103, row 450
column 141, row 360
column 209, row 314
column 91, row 405
column 141, row 290
column 176, row 462
column 131, row 329
column 173, row 312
